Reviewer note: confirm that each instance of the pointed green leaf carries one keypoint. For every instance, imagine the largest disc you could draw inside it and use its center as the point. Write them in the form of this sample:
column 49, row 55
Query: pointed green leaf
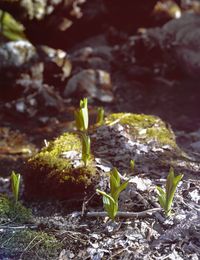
column 85, row 148
column 105, row 194
column 100, row 116
column 166, row 198
column 84, row 115
column 161, row 197
column 15, row 183
column 114, row 180
column 113, row 185
column 115, row 173
column 110, row 205
column 119, row 190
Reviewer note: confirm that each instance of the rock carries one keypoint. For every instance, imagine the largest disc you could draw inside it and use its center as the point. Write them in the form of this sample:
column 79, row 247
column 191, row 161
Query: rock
column 93, row 83
column 22, row 55
column 57, row 171
column 16, row 54
column 180, row 41
column 93, row 57
column 170, row 50
column 34, row 73
column 144, row 138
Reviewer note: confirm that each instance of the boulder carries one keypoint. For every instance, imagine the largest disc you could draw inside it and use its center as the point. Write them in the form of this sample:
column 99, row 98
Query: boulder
column 93, row 83
column 143, row 138
column 32, row 76
column 170, row 50
column 57, row 171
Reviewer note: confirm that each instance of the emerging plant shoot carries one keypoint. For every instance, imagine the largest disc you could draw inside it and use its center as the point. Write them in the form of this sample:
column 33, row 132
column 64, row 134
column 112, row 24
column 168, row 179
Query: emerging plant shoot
column 15, row 183
column 100, row 116
column 85, row 149
column 166, row 197
column 110, row 201
column 81, row 116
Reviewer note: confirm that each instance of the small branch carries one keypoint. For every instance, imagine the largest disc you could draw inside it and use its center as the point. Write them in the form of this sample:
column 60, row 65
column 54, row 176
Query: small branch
column 123, row 214
column 18, row 227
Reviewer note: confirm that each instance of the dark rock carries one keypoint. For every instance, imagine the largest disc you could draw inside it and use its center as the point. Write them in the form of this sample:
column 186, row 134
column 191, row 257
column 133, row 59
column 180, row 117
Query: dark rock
column 93, row 83
column 31, row 76
column 97, row 57
column 170, row 51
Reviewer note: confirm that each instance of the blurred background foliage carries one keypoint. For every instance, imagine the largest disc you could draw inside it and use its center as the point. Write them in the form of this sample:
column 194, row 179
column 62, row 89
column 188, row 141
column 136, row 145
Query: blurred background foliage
column 10, row 28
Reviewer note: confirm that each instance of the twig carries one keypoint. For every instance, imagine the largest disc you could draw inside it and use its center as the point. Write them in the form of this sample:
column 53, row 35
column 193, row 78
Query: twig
column 18, row 227
column 122, row 214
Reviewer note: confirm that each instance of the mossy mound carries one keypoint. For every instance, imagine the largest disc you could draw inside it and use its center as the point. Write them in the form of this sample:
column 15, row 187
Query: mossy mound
column 57, row 172
column 28, row 244
column 15, row 212
column 147, row 127
column 143, row 138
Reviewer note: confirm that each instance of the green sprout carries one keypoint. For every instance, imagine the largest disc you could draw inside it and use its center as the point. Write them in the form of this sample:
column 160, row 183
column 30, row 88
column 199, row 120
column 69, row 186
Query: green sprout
column 166, row 197
column 85, row 149
column 81, row 116
column 132, row 165
column 15, row 183
column 100, row 116
column 110, row 201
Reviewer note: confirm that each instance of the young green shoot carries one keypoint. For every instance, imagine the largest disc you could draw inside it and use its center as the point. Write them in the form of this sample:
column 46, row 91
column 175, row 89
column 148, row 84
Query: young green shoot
column 110, row 201
column 166, row 196
column 81, row 116
column 15, row 184
column 132, row 165
column 85, row 149
column 100, row 116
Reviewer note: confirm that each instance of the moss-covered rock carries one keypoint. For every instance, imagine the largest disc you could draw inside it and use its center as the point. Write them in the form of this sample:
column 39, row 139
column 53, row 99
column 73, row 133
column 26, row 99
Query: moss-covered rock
column 28, row 244
column 15, row 212
column 144, row 138
column 146, row 127
column 57, row 171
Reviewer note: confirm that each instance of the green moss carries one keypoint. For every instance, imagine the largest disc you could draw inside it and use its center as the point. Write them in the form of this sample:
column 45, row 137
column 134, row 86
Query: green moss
column 144, row 127
column 51, row 174
column 15, row 212
column 28, row 244
column 51, row 158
